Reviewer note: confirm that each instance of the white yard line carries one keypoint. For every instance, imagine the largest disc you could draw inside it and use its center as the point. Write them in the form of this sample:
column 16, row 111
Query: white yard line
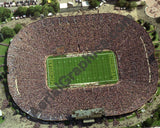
column 74, row 56
column 149, row 69
column 48, row 73
column 115, row 66
column 17, row 86
column 89, row 82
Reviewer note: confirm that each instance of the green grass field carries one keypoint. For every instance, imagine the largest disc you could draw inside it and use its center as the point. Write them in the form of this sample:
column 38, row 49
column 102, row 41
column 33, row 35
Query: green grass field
column 1, row 120
column 3, row 51
column 101, row 68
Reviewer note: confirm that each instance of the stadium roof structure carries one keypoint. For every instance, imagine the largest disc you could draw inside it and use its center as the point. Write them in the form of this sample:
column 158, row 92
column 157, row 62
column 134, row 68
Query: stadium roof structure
column 26, row 60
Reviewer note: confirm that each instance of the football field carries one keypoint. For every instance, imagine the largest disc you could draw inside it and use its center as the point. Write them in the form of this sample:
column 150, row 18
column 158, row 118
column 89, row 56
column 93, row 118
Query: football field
column 99, row 67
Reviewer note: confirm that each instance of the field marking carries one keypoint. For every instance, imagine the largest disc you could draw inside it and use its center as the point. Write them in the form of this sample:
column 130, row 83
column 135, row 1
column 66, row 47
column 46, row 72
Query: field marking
column 75, row 56
column 89, row 82
column 48, row 73
column 17, row 86
column 115, row 67
column 149, row 69
column 85, row 73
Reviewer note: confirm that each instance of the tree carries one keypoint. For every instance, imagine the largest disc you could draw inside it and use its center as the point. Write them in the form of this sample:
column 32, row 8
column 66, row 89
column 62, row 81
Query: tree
column 140, row 21
column 132, row 5
column 44, row 2
column 158, row 19
column 4, row 13
column 46, row 9
column 17, row 28
column 36, row 14
column 156, row 45
column 1, row 37
column 7, row 13
column 148, row 122
column 122, row 3
column 30, row 11
column 50, row 6
column 21, row 11
column 94, row 3
column 38, row 8
column 154, row 33
column 156, row 114
column 55, row 5
column 147, row 25
column 7, row 32
column 45, row 13
column 50, row 9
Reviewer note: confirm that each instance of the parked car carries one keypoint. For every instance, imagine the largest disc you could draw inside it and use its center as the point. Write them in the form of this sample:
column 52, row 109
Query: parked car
column 12, row 18
column 101, row 4
column 123, row 8
column 24, row 16
column 0, row 112
column 117, row 8
column 104, row 1
column 17, row 18
column 50, row 14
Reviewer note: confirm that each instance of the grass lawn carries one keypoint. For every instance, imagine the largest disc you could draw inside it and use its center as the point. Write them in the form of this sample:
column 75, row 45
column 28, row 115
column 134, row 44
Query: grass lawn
column 110, row 120
column 3, row 50
column 150, row 34
column 101, row 68
column 1, row 69
column 158, row 91
column 1, row 120
column 156, row 123
column 130, row 116
column 157, row 48
column 151, row 28
column 156, row 36
column 2, row 60
column 121, row 119
column 8, row 19
column 6, row 41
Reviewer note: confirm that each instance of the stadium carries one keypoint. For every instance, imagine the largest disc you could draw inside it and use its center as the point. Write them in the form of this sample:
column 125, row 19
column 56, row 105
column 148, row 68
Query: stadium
column 59, row 65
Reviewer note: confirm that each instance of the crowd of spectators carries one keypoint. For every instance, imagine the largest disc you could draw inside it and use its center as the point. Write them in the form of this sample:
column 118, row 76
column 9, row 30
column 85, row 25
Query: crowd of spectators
column 27, row 65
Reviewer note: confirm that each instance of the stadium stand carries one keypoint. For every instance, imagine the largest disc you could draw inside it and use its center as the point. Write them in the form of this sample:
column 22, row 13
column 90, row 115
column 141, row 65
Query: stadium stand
column 137, row 68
